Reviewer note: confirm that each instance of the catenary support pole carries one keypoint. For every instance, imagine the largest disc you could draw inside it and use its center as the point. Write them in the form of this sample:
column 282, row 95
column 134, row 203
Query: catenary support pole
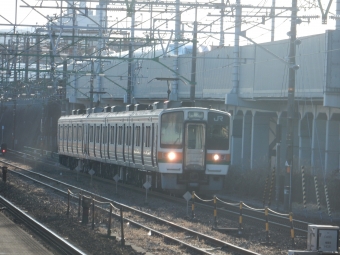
column 291, row 106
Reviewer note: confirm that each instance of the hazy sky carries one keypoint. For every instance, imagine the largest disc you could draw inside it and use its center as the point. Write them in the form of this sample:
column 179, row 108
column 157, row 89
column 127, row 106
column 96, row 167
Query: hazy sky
column 30, row 17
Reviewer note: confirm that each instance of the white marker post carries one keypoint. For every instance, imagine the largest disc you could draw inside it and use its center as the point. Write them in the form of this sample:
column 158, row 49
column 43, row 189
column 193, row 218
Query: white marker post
column 78, row 168
column 147, row 186
column 116, row 179
column 187, row 196
column 91, row 172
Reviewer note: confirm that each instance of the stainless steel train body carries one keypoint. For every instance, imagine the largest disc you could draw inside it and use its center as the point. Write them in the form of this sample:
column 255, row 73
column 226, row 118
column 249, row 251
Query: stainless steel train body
column 175, row 149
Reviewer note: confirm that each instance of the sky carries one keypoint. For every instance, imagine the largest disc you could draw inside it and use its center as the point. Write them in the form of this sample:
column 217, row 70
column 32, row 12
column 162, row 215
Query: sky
column 259, row 34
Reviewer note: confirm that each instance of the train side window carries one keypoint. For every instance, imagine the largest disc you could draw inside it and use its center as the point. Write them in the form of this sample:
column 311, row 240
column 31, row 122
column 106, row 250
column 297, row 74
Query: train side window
column 120, row 135
column 171, row 129
column 105, row 134
column 218, row 131
column 112, row 134
column 108, row 133
column 137, row 131
column 74, row 133
column 97, row 133
column 70, row 133
column 80, row 133
column 128, row 135
column 147, row 136
column 60, row 132
column 91, row 134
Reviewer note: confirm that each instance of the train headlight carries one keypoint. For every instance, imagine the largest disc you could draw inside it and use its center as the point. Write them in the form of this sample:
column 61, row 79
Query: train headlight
column 216, row 157
column 171, row 156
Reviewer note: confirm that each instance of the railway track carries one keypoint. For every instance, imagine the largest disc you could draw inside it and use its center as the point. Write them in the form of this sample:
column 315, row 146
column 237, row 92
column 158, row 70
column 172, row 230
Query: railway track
column 195, row 241
column 224, row 209
column 54, row 240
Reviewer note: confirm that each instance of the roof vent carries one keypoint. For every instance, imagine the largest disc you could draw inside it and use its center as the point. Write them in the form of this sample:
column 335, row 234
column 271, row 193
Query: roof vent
column 172, row 104
column 81, row 111
column 130, row 107
column 117, row 108
column 158, row 105
column 140, row 107
column 97, row 109
column 74, row 112
column 88, row 110
column 107, row 109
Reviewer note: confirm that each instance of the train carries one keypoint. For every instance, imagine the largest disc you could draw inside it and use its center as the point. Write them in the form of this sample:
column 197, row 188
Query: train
column 173, row 148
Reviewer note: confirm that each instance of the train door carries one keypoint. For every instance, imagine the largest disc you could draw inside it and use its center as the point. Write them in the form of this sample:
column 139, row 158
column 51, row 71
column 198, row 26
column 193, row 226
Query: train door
column 75, row 139
column 81, row 135
column 194, row 146
column 100, row 140
column 69, row 138
column 142, row 145
column 104, row 142
column 97, row 136
column 85, row 140
column 132, row 143
column 62, row 137
column 79, row 138
column 127, row 144
column 147, row 146
column 120, row 143
column 65, row 138
column 115, row 141
column 94, row 140
column 91, row 140
column 137, row 144
column 111, row 142
column 154, row 144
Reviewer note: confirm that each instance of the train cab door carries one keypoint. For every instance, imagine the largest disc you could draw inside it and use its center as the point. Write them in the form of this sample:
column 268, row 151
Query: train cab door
column 194, row 147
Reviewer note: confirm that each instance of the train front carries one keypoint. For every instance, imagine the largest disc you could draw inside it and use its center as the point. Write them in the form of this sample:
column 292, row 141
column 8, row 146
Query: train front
column 193, row 149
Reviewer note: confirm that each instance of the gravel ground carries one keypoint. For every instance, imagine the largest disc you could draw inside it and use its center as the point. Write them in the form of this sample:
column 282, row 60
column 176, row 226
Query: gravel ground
column 50, row 209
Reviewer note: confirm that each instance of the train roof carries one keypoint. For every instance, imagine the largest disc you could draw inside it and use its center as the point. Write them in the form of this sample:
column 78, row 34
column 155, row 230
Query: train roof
column 131, row 111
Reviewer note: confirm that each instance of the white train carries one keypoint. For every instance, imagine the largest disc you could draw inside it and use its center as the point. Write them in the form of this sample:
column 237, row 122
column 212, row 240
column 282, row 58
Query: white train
column 174, row 149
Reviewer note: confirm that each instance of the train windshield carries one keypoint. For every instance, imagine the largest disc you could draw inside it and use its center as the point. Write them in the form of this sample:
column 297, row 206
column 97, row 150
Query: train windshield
column 218, row 131
column 171, row 130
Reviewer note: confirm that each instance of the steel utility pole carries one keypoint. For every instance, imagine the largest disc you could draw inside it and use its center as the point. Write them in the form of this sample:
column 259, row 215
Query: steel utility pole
column 290, row 110
column 91, row 84
column 193, row 62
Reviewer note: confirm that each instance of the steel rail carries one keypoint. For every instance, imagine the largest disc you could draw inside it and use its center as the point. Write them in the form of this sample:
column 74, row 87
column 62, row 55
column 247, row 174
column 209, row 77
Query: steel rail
column 232, row 210
column 223, row 244
column 57, row 242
